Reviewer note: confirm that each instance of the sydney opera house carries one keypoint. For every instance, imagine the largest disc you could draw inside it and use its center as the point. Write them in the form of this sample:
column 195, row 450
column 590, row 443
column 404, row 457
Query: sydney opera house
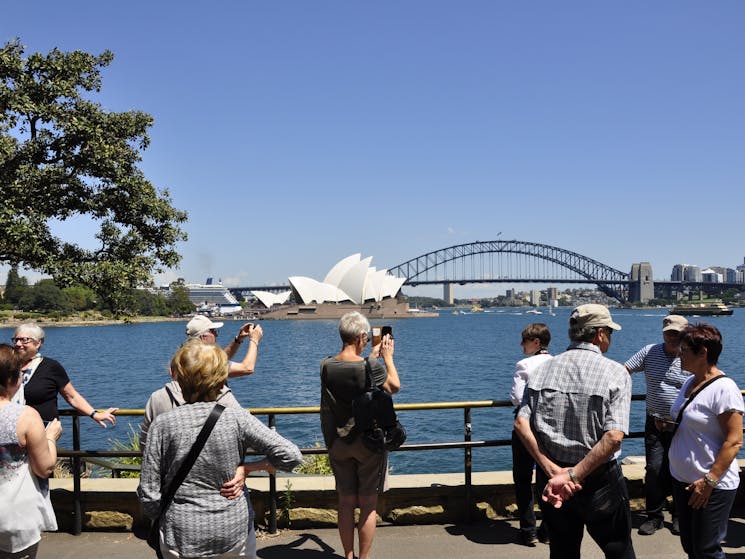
column 351, row 284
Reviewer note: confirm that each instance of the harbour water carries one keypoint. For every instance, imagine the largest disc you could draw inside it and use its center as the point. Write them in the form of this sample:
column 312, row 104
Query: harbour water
column 450, row 358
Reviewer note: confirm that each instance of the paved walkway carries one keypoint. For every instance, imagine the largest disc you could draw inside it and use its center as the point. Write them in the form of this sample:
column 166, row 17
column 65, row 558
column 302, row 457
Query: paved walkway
column 476, row 541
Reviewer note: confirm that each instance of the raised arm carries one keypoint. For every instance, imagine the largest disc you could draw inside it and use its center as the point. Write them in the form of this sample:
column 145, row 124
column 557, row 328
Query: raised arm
column 254, row 333
column 392, row 383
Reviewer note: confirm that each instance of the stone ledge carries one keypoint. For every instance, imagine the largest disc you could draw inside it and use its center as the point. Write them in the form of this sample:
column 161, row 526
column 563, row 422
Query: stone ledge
column 412, row 498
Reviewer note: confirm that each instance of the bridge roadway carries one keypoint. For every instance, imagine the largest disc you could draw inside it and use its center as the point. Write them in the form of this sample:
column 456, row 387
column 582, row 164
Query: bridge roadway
column 481, row 540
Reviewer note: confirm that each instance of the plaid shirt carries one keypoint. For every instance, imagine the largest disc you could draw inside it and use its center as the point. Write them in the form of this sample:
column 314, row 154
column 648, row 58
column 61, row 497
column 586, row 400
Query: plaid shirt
column 573, row 399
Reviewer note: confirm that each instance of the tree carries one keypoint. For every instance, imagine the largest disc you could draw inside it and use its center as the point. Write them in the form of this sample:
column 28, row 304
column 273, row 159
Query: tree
column 179, row 302
column 45, row 296
column 15, row 286
column 63, row 156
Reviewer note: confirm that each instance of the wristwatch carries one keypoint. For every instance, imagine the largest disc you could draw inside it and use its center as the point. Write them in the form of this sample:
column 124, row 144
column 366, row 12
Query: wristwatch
column 710, row 481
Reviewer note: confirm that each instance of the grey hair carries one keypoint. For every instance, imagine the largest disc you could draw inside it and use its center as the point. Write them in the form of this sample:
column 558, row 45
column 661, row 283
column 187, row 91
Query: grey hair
column 352, row 325
column 31, row 329
column 583, row 333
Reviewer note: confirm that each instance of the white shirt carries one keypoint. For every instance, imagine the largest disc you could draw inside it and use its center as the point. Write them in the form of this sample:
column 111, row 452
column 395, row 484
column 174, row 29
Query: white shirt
column 522, row 370
column 699, row 437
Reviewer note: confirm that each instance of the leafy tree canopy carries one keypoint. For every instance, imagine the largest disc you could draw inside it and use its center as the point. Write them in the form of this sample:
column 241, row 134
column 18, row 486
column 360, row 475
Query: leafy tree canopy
column 63, row 156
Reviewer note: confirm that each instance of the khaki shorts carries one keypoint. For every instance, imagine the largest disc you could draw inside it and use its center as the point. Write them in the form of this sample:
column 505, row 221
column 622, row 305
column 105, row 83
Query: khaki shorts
column 358, row 470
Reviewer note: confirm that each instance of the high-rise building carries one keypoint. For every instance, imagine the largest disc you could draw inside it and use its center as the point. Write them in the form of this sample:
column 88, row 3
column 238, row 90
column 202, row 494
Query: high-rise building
column 535, row 297
column 678, row 272
column 692, row 274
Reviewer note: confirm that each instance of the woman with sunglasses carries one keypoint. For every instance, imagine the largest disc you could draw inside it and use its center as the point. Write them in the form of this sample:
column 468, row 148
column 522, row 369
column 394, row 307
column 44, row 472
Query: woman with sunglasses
column 43, row 378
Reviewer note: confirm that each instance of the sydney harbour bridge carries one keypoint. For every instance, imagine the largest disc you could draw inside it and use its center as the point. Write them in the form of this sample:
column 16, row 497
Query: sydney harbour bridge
column 516, row 262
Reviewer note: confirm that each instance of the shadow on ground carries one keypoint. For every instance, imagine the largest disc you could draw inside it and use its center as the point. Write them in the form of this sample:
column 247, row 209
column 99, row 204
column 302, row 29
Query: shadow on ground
column 292, row 550
column 486, row 533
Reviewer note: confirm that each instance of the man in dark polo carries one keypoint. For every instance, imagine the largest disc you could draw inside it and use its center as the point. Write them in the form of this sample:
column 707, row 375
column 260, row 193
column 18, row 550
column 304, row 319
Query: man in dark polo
column 573, row 417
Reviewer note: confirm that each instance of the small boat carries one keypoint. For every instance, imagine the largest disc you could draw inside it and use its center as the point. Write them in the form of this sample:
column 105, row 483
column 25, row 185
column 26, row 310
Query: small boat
column 533, row 311
column 702, row 309
column 477, row 308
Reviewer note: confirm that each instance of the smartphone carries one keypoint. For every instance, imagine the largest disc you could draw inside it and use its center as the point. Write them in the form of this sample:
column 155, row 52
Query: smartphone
column 386, row 330
column 376, row 335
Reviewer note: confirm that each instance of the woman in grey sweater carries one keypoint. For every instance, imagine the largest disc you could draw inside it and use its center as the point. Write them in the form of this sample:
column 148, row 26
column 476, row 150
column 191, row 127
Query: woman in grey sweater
column 200, row 522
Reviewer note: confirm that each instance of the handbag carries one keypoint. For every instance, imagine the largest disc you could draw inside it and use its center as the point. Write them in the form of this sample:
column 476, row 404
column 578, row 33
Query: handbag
column 153, row 538
column 375, row 419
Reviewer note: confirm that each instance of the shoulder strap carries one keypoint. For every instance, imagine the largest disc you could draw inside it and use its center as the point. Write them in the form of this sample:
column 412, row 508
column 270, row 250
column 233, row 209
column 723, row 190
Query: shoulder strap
column 369, row 380
column 690, row 399
column 167, row 496
column 174, row 401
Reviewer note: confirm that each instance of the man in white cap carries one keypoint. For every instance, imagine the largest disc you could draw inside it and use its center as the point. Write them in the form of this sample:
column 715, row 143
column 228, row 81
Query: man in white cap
column 203, row 328
column 661, row 366
column 573, row 417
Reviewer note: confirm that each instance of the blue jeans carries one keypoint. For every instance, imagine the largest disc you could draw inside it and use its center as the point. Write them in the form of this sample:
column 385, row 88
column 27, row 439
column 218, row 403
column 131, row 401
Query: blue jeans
column 657, row 479
column 702, row 530
column 522, row 476
column 602, row 506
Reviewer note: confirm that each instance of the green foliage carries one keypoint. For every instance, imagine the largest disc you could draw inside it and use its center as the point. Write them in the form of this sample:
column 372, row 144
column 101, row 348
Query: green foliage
column 286, row 502
column 62, row 157
column 315, row 464
column 179, row 302
column 131, row 443
column 45, row 297
column 15, row 286
column 80, row 298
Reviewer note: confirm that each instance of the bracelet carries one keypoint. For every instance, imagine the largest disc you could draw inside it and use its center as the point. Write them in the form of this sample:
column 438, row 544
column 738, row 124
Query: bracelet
column 254, row 341
column 237, row 340
column 572, row 475
column 94, row 412
column 710, row 481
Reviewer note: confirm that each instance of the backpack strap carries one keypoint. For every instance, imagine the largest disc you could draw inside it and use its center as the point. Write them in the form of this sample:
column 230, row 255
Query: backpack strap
column 174, row 401
column 369, row 380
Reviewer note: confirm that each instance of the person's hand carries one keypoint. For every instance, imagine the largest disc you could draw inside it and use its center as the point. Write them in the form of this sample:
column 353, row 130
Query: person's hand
column 700, row 492
column 387, row 345
column 101, row 417
column 233, row 488
column 560, row 489
column 53, row 429
column 256, row 333
column 244, row 331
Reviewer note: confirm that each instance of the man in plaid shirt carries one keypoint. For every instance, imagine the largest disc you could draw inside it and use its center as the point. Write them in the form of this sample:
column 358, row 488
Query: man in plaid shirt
column 573, row 417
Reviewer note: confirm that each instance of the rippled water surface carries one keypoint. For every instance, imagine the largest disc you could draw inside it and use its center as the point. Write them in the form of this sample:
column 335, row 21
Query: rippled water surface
column 450, row 358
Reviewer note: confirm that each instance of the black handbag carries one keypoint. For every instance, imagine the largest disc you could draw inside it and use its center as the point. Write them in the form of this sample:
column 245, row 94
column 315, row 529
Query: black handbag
column 153, row 538
column 375, row 420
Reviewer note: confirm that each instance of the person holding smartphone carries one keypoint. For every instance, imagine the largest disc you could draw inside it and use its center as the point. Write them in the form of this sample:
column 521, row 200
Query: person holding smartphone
column 360, row 473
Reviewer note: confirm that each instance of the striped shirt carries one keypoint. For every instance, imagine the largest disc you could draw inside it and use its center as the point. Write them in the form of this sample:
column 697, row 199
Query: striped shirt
column 662, row 374
column 573, row 399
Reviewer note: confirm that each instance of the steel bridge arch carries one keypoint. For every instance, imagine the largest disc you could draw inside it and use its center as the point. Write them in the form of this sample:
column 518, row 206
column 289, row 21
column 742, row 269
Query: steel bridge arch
column 610, row 281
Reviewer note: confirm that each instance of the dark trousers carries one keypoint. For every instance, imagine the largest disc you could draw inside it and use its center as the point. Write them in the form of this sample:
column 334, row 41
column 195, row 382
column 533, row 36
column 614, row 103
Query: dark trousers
column 522, row 476
column 602, row 506
column 657, row 479
column 702, row 530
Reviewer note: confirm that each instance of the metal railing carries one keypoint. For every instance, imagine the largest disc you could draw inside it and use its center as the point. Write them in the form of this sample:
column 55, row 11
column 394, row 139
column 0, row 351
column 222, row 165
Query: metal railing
column 467, row 444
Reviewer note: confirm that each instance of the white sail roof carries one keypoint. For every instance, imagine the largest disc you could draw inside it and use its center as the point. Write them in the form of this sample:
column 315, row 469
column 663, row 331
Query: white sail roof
column 268, row 299
column 350, row 279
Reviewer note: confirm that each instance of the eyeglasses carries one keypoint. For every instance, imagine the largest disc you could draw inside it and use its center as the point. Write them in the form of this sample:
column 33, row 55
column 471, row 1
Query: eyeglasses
column 23, row 341
column 214, row 331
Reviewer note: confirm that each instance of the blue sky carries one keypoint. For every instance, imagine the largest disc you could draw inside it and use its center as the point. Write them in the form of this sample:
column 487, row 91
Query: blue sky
column 295, row 133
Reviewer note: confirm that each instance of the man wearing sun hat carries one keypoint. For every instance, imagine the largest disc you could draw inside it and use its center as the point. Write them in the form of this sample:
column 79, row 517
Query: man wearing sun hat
column 573, row 417
column 661, row 366
column 203, row 328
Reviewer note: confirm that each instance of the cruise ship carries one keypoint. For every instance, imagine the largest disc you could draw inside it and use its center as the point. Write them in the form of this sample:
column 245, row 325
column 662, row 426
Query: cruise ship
column 213, row 297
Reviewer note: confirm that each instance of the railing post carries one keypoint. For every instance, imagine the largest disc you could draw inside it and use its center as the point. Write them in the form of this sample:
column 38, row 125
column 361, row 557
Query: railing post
column 272, row 487
column 468, row 464
column 77, row 524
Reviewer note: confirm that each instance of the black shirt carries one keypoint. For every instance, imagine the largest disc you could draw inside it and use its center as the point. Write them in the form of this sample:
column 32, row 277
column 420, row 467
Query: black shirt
column 41, row 390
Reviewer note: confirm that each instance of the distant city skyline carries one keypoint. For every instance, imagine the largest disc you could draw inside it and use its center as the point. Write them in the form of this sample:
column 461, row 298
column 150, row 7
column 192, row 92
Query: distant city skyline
column 297, row 133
